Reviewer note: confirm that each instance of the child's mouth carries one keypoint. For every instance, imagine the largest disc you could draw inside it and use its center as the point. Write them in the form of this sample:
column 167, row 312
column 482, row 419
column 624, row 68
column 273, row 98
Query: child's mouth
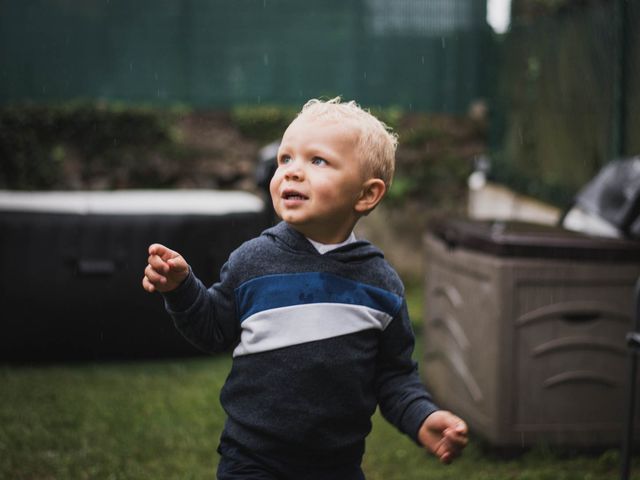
column 293, row 195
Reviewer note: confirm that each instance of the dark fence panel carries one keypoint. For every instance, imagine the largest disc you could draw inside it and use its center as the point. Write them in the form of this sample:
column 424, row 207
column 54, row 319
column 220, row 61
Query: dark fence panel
column 561, row 77
column 412, row 53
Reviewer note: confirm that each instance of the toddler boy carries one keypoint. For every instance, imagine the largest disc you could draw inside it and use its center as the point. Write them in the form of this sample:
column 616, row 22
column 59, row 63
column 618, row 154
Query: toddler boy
column 317, row 319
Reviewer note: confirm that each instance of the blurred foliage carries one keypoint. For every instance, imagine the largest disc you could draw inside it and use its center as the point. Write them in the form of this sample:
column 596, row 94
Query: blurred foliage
column 267, row 123
column 435, row 155
column 554, row 191
column 560, row 83
column 264, row 123
column 101, row 146
column 527, row 9
column 42, row 145
column 391, row 116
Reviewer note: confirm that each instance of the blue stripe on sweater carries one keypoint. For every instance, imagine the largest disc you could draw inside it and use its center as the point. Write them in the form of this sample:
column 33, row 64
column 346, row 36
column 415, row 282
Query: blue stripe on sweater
column 284, row 290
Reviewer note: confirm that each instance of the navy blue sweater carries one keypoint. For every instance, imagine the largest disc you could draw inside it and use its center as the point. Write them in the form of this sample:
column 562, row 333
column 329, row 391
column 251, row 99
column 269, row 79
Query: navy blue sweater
column 319, row 341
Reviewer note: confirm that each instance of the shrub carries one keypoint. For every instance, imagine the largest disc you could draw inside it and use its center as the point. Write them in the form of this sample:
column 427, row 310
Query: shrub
column 37, row 140
column 262, row 123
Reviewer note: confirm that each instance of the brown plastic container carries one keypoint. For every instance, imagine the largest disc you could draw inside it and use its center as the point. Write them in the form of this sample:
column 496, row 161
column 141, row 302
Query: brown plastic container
column 525, row 331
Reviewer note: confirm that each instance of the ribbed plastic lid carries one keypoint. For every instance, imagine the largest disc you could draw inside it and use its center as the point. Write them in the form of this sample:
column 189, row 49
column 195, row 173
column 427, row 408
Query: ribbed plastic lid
column 521, row 239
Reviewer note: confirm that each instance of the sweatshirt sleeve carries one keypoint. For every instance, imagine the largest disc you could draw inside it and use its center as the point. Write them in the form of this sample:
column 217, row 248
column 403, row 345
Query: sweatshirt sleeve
column 402, row 398
column 205, row 316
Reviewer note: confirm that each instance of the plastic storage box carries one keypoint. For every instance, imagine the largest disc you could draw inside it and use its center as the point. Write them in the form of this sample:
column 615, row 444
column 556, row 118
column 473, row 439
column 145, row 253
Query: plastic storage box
column 71, row 266
column 525, row 331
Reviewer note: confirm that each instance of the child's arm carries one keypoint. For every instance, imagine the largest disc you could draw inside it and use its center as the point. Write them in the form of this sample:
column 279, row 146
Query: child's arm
column 443, row 434
column 403, row 399
column 165, row 271
column 204, row 316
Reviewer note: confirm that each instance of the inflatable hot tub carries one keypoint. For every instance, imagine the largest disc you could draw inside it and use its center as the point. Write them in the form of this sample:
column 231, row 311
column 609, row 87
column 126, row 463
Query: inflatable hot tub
column 71, row 265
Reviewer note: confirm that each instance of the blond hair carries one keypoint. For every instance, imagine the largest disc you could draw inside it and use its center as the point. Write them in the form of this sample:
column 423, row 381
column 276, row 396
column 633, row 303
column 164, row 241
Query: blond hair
column 377, row 143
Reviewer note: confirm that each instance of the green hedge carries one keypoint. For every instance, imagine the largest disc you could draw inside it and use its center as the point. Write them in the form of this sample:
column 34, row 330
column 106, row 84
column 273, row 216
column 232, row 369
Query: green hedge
column 264, row 123
column 38, row 142
column 68, row 146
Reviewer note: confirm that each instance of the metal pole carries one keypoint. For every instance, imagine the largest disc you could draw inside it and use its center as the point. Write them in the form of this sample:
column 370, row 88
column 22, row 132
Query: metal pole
column 633, row 341
column 620, row 75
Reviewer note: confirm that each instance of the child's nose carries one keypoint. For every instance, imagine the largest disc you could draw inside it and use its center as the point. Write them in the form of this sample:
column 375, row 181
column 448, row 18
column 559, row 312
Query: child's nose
column 293, row 171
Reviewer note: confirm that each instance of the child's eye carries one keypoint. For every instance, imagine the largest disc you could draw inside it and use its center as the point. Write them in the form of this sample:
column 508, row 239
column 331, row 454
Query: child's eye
column 318, row 161
column 284, row 159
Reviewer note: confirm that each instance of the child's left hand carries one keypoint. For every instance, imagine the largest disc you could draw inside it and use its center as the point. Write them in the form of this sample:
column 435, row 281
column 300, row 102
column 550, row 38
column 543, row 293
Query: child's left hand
column 444, row 434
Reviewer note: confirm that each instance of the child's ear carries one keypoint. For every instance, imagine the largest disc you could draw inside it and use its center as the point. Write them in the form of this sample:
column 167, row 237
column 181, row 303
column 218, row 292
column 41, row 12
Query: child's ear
column 372, row 192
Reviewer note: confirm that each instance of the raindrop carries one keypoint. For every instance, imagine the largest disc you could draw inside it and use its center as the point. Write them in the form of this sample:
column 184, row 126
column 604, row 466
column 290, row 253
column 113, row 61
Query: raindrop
column 365, row 75
column 423, row 59
column 443, row 41
column 131, row 66
column 265, row 59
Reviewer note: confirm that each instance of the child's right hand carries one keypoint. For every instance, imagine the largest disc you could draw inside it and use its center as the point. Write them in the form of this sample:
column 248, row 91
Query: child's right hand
column 166, row 269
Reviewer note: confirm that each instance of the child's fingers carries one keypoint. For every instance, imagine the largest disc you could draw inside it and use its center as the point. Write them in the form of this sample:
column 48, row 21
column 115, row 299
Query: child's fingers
column 446, row 458
column 178, row 264
column 450, row 446
column 147, row 285
column 457, row 434
column 161, row 251
column 165, row 260
column 443, row 452
column 154, row 277
column 156, row 249
column 165, row 269
column 453, row 447
column 158, row 264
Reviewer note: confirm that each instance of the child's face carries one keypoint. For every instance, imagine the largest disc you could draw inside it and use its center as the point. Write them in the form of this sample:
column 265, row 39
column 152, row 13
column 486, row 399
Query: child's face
column 319, row 178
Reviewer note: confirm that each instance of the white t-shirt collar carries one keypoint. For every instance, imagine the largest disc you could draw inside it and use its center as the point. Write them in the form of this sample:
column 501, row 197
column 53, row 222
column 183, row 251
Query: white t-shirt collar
column 323, row 248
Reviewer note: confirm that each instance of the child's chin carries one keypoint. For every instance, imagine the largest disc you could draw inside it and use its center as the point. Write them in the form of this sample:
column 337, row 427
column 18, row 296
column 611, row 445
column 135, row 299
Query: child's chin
column 292, row 219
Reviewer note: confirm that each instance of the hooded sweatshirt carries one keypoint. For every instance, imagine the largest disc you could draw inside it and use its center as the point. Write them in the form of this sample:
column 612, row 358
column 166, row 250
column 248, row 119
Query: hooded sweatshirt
column 318, row 342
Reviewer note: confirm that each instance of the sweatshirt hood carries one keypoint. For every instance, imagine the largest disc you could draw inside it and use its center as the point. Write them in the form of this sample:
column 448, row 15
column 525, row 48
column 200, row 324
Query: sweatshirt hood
column 289, row 238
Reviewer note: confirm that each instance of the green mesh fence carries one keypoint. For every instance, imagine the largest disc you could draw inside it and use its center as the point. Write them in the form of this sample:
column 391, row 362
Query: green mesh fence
column 569, row 96
column 416, row 54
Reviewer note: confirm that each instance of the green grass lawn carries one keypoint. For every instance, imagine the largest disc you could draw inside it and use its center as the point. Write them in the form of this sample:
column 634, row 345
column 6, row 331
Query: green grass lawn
column 161, row 420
